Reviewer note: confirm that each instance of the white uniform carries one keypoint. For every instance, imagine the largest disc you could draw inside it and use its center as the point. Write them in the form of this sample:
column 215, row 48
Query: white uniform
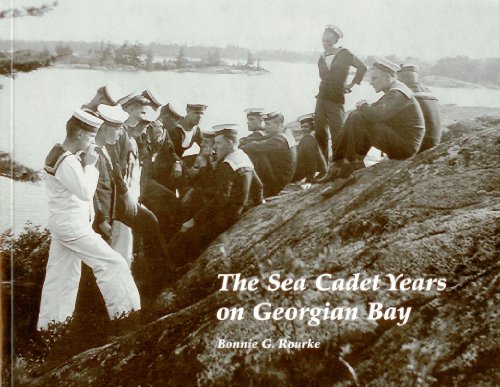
column 70, row 189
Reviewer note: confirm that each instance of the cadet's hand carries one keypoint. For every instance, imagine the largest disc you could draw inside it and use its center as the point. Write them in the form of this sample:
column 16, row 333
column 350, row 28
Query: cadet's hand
column 91, row 155
column 361, row 103
column 193, row 171
column 105, row 227
column 157, row 130
column 130, row 205
column 187, row 196
column 177, row 169
column 348, row 88
column 188, row 225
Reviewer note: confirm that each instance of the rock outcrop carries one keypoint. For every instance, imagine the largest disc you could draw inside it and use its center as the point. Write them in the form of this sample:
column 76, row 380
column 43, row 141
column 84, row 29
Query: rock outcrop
column 435, row 216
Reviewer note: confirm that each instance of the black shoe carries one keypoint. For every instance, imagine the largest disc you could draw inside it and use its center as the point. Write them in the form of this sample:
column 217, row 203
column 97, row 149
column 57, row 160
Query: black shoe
column 338, row 185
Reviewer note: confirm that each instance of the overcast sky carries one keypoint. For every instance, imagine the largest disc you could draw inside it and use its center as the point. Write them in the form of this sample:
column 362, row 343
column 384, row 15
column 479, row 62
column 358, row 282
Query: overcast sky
column 428, row 29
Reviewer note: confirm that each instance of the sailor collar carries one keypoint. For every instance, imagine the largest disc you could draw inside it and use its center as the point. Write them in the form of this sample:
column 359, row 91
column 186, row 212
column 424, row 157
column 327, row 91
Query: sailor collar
column 323, row 55
column 55, row 157
column 400, row 86
column 238, row 159
column 288, row 136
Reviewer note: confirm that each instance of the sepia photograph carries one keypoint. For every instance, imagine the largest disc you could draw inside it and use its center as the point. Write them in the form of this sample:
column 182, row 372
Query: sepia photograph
column 249, row 193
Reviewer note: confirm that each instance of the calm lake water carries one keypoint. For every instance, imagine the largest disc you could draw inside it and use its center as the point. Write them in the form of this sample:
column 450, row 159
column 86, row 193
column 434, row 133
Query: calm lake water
column 45, row 99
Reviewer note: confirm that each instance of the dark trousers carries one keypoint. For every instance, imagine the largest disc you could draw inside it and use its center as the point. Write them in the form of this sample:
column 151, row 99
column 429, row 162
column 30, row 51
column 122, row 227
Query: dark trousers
column 272, row 183
column 328, row 115
column 358, row 137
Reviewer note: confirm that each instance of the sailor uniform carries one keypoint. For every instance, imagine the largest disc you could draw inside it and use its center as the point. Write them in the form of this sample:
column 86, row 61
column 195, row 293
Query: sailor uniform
column 275, row 159
column 70, row 189
column 432, row 117
column 394, row 124
column 233, row 177
column 330, row 99
column 310, row 159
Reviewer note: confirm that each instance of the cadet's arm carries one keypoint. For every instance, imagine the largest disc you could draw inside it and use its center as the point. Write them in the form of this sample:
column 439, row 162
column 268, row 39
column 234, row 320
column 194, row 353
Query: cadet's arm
column 390, row 105
column 263, row 146
column 220, row 199
column 78, row 181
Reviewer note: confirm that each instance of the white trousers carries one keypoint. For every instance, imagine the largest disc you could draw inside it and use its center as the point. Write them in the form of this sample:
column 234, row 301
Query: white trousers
column 122, row 240
column 62, row 278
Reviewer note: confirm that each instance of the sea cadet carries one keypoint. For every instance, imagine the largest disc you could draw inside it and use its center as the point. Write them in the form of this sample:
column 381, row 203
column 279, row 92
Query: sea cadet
column 70, row 189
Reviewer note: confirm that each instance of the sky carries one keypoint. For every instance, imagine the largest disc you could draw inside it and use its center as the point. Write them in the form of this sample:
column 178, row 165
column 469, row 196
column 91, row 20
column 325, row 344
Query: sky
column 428, row 29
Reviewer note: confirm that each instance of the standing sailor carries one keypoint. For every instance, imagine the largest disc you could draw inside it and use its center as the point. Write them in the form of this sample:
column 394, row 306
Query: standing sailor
column 183, row 135
column 334, row 65
column 394, row 124
column 70, row 188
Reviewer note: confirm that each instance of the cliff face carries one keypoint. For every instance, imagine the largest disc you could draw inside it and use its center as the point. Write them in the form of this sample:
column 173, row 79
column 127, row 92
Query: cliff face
column 435, row 216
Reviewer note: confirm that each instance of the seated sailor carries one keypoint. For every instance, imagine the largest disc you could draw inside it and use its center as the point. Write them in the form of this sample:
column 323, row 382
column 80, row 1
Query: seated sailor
column 428, row 103
column 394, row 124
column 310, row 159
column 233, row 177
column 275, row 157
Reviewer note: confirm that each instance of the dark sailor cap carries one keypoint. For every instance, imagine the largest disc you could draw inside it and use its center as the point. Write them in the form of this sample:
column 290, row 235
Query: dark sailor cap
column 386, row 66
column 171, row 110
column 196, row 107
column 256, row 112
column 306, row 118
column 148, row 94
column 86, row 121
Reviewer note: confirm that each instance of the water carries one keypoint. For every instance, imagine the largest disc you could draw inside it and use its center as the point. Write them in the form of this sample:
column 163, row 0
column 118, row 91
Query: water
column 45, row 99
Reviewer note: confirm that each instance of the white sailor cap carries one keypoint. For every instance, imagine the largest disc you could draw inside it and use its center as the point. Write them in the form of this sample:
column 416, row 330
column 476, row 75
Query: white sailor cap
column 155, row 103
column 258, row 112
column 334, row 28
column 197, row 107
column 270, row 115
column 151, row 114
column 306, row 118
column 386, row 66
column 231, row 130
column 87, row 121
column 113, row 115
column 409, row 66
column 135, row 96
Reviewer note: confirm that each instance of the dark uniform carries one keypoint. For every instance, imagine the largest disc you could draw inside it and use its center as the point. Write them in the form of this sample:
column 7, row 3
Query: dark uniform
column 309, row 159
column 394, row 124
column 428, row 103
column 159, row 165
column 275, row 159
column 433, row 131
column 104, row 196
column 177, row 136
column 330, row 99
column 233, row 178
column 254, row 136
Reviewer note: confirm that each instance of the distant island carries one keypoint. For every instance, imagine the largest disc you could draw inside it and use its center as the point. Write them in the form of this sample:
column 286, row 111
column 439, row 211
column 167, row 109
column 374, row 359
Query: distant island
column 458, row 71
column 124, row 58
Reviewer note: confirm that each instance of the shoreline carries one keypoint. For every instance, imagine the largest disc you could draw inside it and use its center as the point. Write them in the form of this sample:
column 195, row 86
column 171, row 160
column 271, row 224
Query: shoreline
column 228, row 69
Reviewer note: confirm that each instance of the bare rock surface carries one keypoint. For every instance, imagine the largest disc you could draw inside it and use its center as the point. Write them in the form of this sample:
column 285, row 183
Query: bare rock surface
column 434, row 216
